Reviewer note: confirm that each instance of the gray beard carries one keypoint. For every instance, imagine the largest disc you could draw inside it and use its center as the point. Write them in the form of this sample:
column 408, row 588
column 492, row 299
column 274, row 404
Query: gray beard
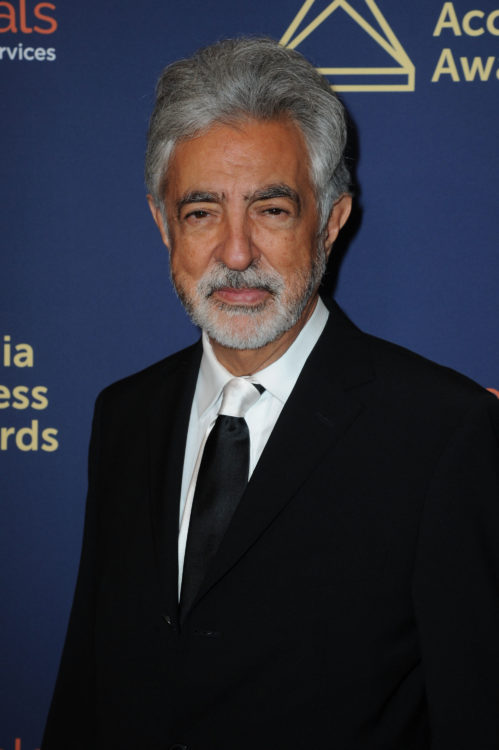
column 244, row 326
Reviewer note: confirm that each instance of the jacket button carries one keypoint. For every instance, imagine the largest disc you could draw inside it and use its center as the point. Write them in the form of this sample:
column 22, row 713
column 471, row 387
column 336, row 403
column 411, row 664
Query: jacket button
column 167, row 619
column 179, row 747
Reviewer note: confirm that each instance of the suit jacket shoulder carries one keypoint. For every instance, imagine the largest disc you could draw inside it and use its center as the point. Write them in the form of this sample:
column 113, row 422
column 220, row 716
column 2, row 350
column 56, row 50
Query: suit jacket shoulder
column 141, row 385
column 403, row 377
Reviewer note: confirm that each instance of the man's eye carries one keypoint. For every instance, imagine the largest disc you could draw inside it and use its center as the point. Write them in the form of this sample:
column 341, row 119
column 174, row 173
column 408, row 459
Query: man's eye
column 274, row 211
column 197, row 214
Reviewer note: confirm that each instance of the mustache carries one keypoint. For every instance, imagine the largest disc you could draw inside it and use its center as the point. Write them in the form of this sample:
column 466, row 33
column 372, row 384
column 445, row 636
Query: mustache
column 222, row 277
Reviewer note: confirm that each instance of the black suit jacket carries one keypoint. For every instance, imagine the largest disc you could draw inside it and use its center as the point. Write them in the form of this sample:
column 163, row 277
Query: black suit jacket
column 353, row 602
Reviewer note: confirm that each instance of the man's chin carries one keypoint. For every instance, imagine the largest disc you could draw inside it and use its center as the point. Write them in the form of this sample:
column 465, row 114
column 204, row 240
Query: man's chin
column 242, row 326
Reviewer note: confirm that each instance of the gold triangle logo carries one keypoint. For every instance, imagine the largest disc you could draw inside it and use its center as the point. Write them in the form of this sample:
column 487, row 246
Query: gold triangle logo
column 398, row 75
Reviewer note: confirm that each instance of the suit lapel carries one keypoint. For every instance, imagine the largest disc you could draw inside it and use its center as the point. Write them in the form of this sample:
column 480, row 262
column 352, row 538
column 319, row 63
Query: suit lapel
column 168, row 418
column 321, row 408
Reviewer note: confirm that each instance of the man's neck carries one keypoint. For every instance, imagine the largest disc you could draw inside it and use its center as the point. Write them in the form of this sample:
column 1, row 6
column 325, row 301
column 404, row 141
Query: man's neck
column 249, row 361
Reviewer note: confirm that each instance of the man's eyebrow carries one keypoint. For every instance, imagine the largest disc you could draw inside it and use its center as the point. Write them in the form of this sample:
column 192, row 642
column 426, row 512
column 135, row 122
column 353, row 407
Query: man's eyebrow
column 276, row 191
column 197, row 196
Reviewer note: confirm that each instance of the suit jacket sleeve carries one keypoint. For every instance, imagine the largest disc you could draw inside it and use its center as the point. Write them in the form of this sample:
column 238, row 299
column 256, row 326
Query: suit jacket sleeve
column 71, row 719
column 456, row 586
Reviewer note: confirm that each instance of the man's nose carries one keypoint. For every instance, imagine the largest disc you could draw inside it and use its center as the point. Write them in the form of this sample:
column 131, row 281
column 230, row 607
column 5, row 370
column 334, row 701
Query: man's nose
column 236, row 249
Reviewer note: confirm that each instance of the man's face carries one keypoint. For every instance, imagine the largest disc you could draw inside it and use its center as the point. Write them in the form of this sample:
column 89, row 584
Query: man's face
column 245, row 255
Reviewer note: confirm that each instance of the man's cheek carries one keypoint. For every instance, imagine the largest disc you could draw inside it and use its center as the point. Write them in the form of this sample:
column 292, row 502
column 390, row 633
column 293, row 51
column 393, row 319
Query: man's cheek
column 186, row 262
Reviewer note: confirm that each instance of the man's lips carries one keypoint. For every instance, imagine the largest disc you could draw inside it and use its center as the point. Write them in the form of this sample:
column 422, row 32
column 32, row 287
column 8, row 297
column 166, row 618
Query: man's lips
column 245, row 296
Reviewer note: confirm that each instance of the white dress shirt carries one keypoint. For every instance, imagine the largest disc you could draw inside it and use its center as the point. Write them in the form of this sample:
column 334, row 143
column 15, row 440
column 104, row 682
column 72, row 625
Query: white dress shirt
column 278, row 379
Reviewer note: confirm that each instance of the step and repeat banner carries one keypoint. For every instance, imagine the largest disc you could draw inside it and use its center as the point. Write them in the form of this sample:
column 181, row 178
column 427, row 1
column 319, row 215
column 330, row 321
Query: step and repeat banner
column 85, row 296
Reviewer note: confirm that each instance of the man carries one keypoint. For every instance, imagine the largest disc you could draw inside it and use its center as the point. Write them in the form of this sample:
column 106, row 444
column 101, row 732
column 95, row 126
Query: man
column 346, row 595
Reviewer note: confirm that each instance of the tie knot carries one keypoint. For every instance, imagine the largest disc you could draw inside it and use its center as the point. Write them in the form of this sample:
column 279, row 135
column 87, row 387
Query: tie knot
column 239, row 395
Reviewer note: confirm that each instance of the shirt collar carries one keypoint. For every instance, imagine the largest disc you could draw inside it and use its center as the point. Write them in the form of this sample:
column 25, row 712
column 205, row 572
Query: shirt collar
column 278, row 378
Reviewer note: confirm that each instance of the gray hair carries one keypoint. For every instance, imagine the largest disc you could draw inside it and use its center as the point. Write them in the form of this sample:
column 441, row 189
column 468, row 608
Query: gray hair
column 249, row 78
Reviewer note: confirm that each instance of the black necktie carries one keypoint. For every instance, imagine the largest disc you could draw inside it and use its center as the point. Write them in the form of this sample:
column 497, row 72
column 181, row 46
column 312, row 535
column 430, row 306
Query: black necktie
column 221, row 481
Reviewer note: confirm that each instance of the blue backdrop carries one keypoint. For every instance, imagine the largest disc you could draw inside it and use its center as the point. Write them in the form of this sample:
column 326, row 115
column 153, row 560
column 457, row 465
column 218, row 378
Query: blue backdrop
column 84, row 290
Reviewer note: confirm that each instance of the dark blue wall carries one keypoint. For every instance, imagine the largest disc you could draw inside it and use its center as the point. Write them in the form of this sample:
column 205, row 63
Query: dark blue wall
column 84, row 277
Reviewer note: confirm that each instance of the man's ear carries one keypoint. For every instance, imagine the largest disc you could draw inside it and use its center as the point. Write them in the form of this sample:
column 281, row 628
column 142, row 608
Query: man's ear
column 337, row 219
column 157, row 215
